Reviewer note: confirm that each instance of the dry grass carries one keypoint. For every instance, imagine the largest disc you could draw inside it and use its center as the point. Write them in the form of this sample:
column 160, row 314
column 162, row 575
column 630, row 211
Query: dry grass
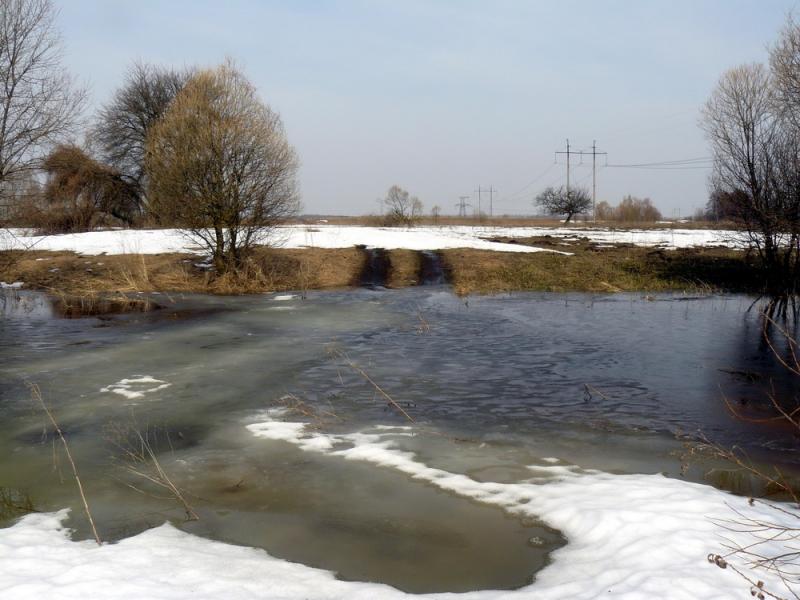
column 137, row 458
column 72, row 275
column 404, row 268
column 99, row 303
column 593, row 269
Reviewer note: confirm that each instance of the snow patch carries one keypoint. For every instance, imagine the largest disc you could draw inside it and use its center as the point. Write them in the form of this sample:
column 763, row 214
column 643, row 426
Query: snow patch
column 136, row 387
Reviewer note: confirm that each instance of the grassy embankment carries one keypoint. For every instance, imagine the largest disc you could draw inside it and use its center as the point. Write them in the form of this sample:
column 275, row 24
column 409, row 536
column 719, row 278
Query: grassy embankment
column 591, row 268
column 597, row 268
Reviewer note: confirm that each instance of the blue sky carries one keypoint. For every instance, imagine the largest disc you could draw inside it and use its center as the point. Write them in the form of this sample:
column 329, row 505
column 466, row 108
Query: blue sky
column 441, row 97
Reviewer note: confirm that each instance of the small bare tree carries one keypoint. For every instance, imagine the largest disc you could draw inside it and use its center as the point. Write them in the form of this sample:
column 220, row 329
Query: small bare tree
column 563, row 201
column 39, row 102
column 219, row 164
column 401, row 207
column 122, row 124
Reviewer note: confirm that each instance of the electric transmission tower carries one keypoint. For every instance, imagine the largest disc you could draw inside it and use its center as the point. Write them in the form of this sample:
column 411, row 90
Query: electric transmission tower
column 462, row 205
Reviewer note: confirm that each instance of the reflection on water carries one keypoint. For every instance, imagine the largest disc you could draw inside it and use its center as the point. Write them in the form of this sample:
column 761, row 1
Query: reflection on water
column 504, row 381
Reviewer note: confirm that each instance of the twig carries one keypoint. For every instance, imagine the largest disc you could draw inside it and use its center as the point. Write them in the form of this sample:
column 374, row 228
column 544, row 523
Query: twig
column 349, row 362
column 38, row 396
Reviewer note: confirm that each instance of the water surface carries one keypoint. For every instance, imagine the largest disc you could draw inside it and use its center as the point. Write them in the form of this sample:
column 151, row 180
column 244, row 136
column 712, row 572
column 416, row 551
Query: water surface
column 494, row 384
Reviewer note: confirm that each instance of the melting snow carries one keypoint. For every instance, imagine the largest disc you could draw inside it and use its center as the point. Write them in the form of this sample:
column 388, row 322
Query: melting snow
column 136, row 387
column 156, row 241
column 633, row 537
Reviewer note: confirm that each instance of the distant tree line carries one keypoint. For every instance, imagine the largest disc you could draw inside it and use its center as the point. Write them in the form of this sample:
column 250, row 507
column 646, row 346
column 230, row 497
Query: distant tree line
column 577, row 201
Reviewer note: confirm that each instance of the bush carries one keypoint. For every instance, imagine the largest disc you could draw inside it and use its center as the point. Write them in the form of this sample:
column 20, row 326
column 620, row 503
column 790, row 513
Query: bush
column 81, row 194
column 630, row 210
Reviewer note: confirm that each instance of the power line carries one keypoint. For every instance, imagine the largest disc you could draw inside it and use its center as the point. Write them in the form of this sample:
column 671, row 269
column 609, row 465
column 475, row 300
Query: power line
column 527, row 185
column 684, row 163
column 687, row 168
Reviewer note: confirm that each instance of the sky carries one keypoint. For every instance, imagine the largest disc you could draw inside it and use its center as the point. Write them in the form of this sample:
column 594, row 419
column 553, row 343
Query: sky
column 442, row 98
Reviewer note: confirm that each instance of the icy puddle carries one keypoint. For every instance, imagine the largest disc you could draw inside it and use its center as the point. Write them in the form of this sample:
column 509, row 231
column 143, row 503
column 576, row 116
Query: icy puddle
column 363, row 523
column 544, row 426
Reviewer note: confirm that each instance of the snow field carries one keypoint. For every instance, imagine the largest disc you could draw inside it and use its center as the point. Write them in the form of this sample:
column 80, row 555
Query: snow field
column 159, row 241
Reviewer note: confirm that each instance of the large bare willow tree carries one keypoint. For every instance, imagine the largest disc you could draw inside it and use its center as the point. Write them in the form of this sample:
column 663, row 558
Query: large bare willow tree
column 219, row 164
column 39, row 101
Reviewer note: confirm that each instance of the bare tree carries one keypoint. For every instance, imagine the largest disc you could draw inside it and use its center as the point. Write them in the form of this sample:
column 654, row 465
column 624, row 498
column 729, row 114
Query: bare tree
column 218, row 163
column 560, row 201
column 757, row 167
column 604, row 211
column 39, row 102
column 401, row 207
column 784, row 63
column 122, row 125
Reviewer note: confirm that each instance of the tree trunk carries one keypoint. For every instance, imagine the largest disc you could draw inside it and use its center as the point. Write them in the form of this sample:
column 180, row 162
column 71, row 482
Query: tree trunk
column 219, row 250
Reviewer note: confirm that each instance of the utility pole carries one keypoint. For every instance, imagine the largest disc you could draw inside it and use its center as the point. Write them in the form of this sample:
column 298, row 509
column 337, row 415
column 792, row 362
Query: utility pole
column 491, row 200
column 568, row 154
column 594, row 154
column 479, row 190
column 594, row 180
column 594, row 177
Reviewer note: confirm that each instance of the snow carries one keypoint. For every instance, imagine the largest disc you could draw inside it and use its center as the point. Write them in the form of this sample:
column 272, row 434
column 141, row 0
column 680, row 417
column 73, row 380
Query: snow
column 633, row 537
column 136, row 387
column 11, row 286
column 158, row 241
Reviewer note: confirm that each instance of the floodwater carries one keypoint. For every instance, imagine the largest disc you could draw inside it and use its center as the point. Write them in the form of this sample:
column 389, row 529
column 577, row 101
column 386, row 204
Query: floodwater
column 493, row 384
